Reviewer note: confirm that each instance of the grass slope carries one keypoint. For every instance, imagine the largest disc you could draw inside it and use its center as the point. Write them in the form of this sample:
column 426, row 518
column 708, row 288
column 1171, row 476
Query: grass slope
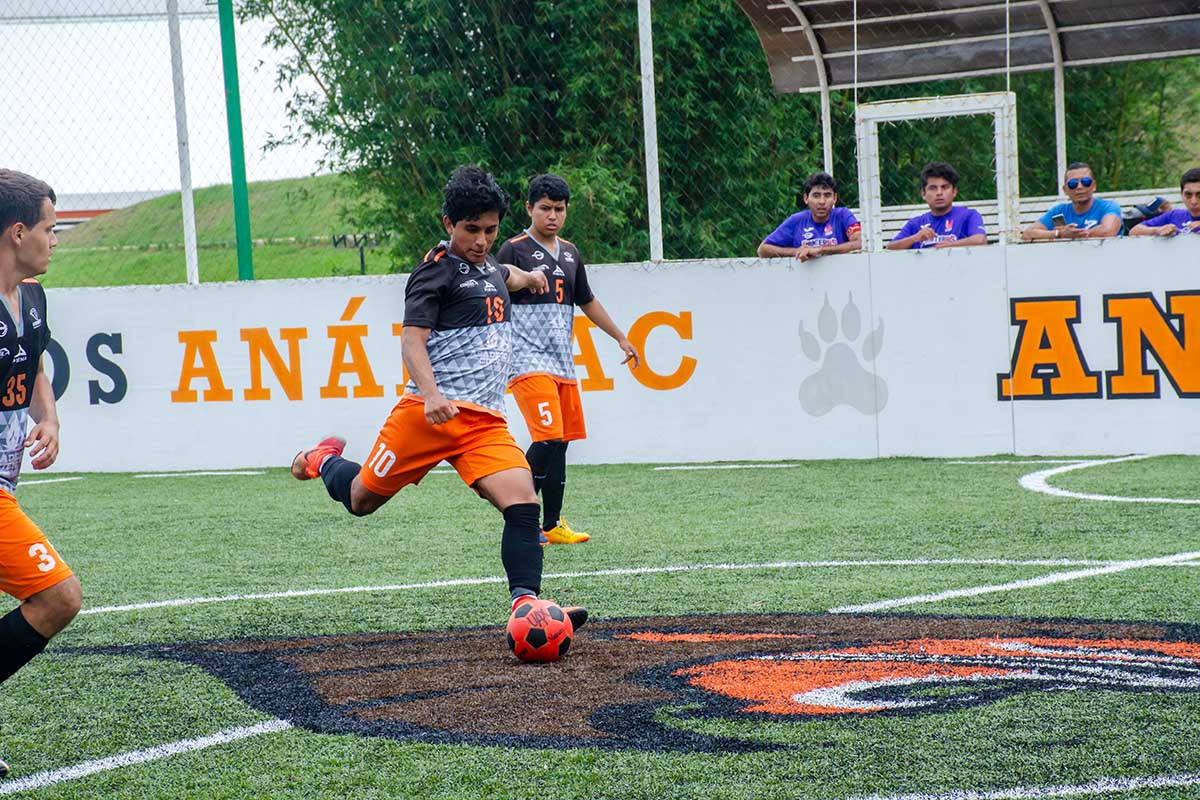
column 135, row 540
column 310, row 210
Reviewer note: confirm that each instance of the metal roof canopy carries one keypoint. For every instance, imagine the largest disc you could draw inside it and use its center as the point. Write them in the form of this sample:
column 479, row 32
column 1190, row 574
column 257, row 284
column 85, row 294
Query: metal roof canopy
column 811, row 45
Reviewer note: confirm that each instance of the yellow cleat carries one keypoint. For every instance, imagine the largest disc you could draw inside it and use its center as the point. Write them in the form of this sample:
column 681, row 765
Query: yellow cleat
column 562, row 534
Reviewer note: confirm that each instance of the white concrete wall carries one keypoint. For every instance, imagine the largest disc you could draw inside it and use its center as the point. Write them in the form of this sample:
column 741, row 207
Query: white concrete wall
column 903, row 361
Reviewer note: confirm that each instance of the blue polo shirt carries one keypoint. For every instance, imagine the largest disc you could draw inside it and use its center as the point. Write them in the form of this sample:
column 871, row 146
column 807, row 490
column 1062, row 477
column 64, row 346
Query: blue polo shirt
column 1089, row 219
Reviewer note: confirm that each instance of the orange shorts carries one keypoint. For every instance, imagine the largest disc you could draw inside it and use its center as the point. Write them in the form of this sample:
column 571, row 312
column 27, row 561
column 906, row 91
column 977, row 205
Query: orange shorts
column 476, row 443
column 28, row 562
column 551, row 406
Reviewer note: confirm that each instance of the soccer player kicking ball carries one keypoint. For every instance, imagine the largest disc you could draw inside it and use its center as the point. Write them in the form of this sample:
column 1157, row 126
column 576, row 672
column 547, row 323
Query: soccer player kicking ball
column 543, row 375
column 457, row 346
column 31, row 570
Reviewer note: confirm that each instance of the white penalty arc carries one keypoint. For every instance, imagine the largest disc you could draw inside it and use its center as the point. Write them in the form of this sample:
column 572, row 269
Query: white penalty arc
column 1038, row 482
column 41, row 780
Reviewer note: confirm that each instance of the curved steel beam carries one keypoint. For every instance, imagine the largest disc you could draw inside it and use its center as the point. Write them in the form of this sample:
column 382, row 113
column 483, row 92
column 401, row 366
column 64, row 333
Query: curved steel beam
column 822, row 80
column 1060, row 91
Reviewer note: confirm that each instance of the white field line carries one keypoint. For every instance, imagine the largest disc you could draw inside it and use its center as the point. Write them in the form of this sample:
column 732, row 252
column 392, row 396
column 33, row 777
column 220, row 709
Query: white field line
column 916, row 562
column 1045, row 580
column 1036, row 482
column 725, row 466
column 1098, row 786
column 201, row 474
column 23, row 484
column 43, row 779
column 1028, row 461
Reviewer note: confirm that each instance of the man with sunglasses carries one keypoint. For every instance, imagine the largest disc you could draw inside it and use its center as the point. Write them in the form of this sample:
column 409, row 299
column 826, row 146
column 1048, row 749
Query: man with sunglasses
column 1084, row 217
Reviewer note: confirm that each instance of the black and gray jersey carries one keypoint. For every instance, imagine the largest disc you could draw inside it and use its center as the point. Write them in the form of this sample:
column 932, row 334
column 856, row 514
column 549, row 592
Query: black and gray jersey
column 24, row 335
column 542, row 323
column 467, row 310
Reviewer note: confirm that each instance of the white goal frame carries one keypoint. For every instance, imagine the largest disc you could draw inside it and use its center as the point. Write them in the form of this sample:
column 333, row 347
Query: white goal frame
column 1002, row 106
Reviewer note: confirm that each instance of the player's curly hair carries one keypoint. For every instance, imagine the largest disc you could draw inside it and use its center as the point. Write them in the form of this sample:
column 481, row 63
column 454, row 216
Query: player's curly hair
column 472, row 192
column 550, row 186
column 21, row 198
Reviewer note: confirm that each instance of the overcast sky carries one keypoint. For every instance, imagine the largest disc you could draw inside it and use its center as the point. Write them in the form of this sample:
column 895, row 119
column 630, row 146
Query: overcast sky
column 89, row 106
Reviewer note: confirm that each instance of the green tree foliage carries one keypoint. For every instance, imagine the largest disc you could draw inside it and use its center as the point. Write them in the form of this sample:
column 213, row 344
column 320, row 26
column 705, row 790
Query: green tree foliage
column 410, row 90
column 402, row 91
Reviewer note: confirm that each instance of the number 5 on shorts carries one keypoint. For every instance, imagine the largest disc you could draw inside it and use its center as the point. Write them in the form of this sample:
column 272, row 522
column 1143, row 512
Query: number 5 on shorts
column 544, row 413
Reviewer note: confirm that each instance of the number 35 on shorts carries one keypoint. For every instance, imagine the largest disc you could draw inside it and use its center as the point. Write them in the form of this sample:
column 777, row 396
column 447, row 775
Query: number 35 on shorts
column 544, row 413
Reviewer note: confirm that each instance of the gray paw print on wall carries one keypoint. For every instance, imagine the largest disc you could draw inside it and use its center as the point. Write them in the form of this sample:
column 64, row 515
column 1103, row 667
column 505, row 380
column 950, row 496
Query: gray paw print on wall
column 842, row 379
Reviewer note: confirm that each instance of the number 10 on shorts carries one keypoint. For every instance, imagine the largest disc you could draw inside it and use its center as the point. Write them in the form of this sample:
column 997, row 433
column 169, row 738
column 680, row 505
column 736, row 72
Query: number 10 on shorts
column 382, row 460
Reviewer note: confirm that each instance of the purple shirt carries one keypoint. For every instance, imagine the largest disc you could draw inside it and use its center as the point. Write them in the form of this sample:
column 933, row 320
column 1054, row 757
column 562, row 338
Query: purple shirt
column 1180, row 218
column 799, row 229
column 958, row 223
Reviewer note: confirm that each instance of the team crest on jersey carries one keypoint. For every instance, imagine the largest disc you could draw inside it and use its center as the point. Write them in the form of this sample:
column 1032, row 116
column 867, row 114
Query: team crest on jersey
column 463, row 268
column 35, row 318
column 539, row 255
column 828, row 230
column 21, row 355
column 558, row 271
column 652, row 683
column 949, row 225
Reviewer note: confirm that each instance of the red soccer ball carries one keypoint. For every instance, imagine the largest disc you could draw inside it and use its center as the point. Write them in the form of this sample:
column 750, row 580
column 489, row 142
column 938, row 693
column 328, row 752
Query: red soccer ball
column 539, row 630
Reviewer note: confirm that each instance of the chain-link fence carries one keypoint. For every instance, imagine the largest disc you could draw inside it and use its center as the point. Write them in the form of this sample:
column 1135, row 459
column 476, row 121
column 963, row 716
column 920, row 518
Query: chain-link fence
column 390, row 95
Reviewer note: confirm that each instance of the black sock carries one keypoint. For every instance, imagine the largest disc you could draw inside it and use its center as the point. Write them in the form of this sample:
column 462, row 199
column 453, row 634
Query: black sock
column 520, row 551
column 538, row 455
column 19, row 642
column 338, row 473
column 554, row 485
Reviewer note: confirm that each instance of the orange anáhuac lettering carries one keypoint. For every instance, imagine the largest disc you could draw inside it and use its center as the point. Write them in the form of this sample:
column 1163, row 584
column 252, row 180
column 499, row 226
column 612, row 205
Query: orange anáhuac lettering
column 262, row 348
column 200, row 362
column 349, row 356
column 1142, row 328
column 640, row 332
column 594, row 379
column 1047, row 361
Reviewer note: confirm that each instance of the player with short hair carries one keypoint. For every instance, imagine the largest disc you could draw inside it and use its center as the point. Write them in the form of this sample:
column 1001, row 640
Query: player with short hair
column 543, row 374
column 944, row 225
column 31, row 570
column 1083, row 216
column 457, row 346
column 824, row 228
column 1179, row 220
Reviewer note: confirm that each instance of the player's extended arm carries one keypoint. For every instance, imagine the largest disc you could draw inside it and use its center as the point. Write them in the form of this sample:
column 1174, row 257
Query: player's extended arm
column 853, row 242
column 416, row 358
column 519, row 279
column 775, row 251
column 1037, row 232
column 971, row 241
column 1142, row 229
column 1109, row 226
column 43, row 437
column 599, row 315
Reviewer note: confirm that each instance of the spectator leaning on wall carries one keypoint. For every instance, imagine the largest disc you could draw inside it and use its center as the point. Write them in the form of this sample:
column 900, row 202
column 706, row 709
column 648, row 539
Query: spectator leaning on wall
column 824, row 229
column 1180, row 220
column 1084, row 217
column 944, row 225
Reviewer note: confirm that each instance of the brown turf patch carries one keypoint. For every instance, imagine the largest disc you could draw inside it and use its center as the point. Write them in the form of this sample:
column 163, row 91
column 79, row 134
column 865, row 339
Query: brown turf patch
column 464, row 685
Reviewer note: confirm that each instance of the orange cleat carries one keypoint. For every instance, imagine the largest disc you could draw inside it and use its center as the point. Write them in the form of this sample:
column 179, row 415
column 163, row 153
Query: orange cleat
column 307, row 463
